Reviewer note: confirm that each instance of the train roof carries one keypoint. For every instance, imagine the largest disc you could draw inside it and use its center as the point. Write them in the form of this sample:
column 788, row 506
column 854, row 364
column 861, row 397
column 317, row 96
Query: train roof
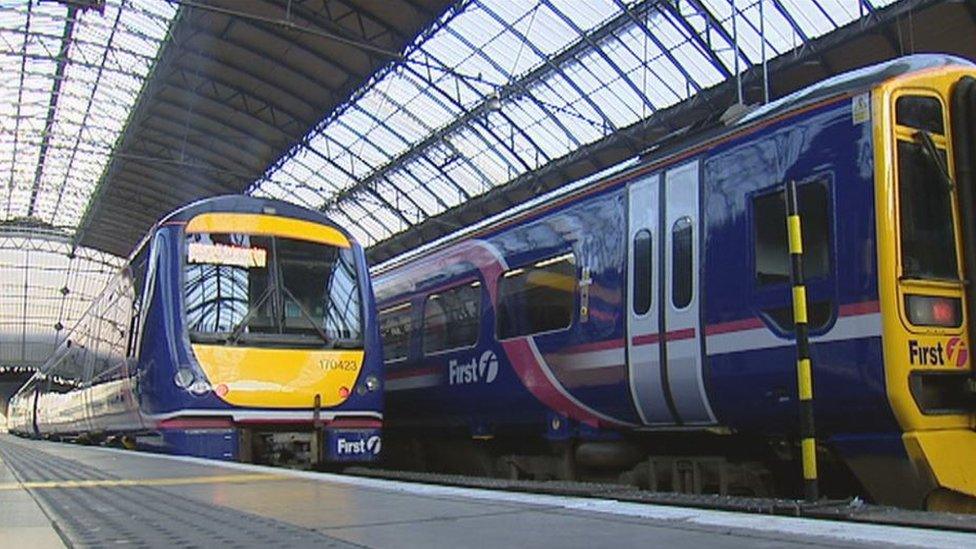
column 239, row 203
column 853, row 81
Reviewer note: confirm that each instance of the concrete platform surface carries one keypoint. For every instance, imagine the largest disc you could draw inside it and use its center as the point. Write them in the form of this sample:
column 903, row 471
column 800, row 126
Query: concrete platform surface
column 22, row 522
column 100, row 497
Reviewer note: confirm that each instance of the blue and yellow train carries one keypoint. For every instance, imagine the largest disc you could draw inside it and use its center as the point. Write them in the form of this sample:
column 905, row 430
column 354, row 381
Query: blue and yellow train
column 240, row 328
column 639, row 324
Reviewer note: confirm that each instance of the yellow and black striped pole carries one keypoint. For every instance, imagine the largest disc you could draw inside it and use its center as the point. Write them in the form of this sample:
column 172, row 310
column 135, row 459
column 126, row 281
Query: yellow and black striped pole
column 804, row 374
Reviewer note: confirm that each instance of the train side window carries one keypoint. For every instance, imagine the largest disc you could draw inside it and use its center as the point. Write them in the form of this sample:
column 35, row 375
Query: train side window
column 643, row 269
column 920, row 111
column 396, row 325
column 537, row 298
column 452, row 318
column 681, row 262
column 772, row 255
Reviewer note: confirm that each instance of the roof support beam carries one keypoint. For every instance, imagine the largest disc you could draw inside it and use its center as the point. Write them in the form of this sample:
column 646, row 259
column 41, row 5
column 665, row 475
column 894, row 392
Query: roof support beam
column 84, row 121
column 58, row 80
column 449, row 14
column 20, row 101
column 595, row 47
column 704, row 47
column 651, row 130
column 289, row 25
column 473, row 115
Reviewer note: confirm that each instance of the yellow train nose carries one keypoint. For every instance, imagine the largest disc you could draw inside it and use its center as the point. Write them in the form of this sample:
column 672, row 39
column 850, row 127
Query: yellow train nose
column 279, row 378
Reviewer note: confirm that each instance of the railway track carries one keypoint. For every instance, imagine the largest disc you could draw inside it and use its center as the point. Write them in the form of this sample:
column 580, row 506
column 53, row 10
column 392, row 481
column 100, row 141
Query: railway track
column 854, row 510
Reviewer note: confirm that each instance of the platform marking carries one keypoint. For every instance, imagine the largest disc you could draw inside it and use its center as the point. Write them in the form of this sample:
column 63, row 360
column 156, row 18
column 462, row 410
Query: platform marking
column 113, row 482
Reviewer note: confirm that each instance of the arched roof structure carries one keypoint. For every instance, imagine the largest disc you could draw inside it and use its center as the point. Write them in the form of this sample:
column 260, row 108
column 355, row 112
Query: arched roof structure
column 505, row 88
column 402, row 119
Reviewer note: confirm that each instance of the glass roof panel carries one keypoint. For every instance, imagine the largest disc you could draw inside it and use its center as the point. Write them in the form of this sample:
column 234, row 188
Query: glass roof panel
column 419, row 195
column 808, row 16
column 72, row 77
column 42, row 288
column 505, row 87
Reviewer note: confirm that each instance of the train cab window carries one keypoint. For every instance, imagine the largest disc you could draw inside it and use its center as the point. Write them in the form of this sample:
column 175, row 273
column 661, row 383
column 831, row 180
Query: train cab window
column 643, row 269
column 396, row 326
column 927, row 240
column 242, row 289
column 928, row 247
column 451, row 318
column 921, row 112
column 681, row 262
column 772, row 255
column 537, row 298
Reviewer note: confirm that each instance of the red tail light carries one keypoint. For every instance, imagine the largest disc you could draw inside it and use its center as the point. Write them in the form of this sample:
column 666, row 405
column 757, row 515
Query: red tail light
column 924, row 310
column 943, row 312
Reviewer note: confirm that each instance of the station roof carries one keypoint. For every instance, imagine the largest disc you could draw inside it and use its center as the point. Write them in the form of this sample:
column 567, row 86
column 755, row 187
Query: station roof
column 403, row 120
column 382, row 114
column 504, row 88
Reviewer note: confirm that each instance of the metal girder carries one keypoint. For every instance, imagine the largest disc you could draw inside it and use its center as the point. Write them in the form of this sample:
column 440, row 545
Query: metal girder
column 704, row 47
column 595, row 47
column 170, row 167
column 225, row 92
column 650, row 130
column 278, row 110
column 172, row 146
column 225, row 129
column 61, row 64
column 449, row 14
column 20, row 100
column 182, row 63
column 474, row 114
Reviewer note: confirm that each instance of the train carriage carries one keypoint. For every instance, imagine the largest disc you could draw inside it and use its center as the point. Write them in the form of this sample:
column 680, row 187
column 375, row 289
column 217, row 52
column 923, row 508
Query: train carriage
column 241, row 328
column 642, row 320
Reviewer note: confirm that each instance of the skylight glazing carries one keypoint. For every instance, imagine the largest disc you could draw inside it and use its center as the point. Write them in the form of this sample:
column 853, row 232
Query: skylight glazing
column 71, row 78
column 503, row 88
column 70, row 81
column 44, row 290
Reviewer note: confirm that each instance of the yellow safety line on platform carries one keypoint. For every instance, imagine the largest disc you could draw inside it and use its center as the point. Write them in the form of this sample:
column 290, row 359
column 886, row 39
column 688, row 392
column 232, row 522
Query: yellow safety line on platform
column 105, row 483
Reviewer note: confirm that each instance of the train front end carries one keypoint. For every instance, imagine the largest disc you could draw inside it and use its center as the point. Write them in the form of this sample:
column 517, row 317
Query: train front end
column 925, row 136
column 274, row 359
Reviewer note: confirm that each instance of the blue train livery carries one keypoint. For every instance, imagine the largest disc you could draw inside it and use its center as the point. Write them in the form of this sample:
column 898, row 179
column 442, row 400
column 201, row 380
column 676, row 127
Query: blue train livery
column 241, row 328
column 638, row 325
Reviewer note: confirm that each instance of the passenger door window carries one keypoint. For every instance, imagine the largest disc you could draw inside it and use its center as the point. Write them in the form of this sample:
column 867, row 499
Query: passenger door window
column 643, row 267
column 681, row 243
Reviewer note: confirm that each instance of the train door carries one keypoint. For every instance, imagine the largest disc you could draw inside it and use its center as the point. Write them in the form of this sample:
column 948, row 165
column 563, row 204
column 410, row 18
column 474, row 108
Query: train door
column 664, row 345
column 643, row 287
column 681, row 332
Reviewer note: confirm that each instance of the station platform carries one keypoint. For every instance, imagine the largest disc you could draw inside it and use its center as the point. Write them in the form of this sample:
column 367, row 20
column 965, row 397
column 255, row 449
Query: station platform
column 54, row 494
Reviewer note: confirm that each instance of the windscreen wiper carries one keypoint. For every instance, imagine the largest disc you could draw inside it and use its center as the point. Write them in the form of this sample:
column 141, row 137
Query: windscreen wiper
column 307, row 315
column 235, row 334
column 928, row 148
column 348, row 343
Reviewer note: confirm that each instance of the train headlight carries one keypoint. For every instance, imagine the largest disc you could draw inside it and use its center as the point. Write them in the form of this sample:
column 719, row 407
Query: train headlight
column 372, row 383
column 200, row 387
column 183, row 378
